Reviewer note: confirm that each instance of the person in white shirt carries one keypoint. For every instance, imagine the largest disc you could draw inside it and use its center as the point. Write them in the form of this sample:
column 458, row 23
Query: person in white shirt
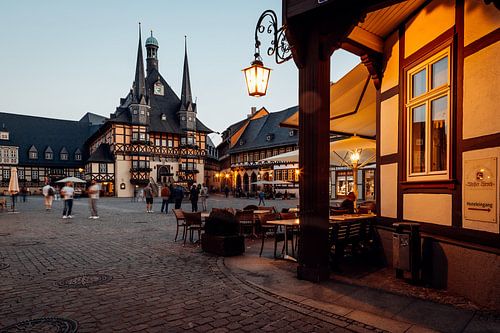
column 67, row 195
column 93, row 197
column 48, row 195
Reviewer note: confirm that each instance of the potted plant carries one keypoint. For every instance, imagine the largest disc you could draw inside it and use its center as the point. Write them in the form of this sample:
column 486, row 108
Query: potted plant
column 221, row 235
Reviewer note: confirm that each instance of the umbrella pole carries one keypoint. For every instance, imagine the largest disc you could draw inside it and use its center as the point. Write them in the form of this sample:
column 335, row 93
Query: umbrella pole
column 355, row 185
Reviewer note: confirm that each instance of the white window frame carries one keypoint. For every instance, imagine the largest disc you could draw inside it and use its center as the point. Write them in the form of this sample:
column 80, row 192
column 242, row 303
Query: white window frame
column 426, row 99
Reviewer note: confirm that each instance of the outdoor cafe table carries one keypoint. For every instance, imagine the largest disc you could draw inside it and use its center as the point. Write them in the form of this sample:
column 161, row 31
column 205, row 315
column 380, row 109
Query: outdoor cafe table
column 293, row 223
column 350, row 217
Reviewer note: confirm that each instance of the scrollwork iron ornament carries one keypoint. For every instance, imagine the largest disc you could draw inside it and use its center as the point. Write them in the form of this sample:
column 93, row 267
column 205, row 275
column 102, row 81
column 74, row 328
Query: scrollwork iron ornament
column 280, row 47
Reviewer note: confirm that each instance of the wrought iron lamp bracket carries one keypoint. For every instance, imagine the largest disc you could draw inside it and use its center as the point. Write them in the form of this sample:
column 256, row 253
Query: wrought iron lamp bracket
column 280, row 48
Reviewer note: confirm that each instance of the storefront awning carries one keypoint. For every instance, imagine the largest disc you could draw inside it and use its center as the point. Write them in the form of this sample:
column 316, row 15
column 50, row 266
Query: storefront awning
column 352, row 105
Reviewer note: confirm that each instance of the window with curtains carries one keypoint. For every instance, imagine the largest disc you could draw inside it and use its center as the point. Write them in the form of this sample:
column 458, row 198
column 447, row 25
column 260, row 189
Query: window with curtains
column 428, row 117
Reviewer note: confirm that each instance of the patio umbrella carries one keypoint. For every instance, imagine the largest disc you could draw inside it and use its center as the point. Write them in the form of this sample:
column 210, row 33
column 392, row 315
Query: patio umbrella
column 71, row 179
column 270, row 182
column 13, row 186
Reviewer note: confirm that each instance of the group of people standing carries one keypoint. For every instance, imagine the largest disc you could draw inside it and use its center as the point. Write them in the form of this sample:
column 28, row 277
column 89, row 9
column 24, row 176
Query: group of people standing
column 67, row 194
column 175, row 194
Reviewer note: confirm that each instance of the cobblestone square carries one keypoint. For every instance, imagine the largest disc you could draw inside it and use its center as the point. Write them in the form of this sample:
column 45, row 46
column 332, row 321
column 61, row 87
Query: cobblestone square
column 124, row 273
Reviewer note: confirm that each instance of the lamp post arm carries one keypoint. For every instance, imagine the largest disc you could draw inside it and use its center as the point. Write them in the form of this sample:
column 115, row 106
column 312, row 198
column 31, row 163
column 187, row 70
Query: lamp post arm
column 280, row 47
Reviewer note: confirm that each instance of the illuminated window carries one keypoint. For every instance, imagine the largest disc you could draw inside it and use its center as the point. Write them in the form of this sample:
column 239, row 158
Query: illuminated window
column 428, row 114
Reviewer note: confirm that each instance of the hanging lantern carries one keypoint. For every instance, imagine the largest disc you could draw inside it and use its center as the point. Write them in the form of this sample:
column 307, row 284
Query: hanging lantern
column 257, row 77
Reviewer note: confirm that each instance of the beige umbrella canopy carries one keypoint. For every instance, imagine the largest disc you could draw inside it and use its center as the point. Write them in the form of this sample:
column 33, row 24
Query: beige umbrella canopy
column 13, row 186
column 354, row 152
column 71, row 179
column 14, row 182
column 341, row 152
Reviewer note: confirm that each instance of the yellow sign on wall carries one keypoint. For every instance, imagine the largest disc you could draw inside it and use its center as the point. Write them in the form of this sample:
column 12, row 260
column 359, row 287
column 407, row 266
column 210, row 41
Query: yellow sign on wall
column 480, row 190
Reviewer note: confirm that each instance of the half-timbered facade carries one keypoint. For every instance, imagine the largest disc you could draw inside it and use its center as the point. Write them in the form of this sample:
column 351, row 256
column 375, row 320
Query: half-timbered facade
column 248, row 142
column 434, row 65
column 153, row 135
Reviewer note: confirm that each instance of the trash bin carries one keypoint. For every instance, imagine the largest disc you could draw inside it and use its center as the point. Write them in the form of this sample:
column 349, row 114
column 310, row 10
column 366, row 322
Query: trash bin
column 406, row 249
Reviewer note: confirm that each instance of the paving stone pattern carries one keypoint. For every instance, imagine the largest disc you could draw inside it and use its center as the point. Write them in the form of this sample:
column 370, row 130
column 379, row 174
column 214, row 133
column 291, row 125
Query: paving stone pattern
column 157, row 285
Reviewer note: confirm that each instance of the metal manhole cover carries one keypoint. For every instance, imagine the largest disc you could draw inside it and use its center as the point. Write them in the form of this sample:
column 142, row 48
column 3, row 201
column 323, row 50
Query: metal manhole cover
column 49, row 325
column 27, row 243
column 141, row 222
column 3, row 265
column 84, row 281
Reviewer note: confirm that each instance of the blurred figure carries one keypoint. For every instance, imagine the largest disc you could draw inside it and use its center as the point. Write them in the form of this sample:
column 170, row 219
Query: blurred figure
column 148, row 194
column 93, row 197
column 48, row 196
column 165, row 197
column 67, row 195
column 193, row 196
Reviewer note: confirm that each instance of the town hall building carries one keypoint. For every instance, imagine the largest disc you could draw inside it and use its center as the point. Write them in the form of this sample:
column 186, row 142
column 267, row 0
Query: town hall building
column 152, row 135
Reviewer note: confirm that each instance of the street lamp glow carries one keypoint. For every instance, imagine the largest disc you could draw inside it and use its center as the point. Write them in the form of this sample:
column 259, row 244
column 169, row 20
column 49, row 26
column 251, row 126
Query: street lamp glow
column 355, row 157
column 257, row 78
column 227, row 175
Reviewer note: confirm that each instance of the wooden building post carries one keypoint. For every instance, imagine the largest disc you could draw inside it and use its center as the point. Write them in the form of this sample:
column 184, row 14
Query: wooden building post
column 314, row 159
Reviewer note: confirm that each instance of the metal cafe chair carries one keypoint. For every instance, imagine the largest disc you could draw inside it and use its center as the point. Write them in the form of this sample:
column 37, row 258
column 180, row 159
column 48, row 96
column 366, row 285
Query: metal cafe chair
column 265, row 228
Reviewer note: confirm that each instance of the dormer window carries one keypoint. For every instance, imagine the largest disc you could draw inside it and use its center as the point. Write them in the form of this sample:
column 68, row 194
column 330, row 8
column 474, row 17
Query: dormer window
column 49, row 154
column 242, row 142
column 291, row 133
column 33, row 153
column 78, row 155
column 163, row 116
column 4, row 135
column 269, row 137
column 64, row 154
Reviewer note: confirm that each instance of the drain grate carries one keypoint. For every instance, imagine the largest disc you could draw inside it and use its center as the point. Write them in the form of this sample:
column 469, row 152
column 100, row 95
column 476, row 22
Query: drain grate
column 53, row 325
column 141, row 222
column 4, row 234
column 84, row 281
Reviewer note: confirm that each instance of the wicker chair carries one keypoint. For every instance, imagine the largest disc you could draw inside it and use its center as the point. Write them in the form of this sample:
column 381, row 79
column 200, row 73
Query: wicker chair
column 265, row 228
column 246, row 220
column 193, row 223
column 181, row 223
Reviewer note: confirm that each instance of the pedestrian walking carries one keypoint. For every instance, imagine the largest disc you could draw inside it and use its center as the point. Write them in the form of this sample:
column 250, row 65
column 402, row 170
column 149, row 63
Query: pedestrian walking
column 48, row 196
column 262, row 195
column 24, row 192
column 204, row 196
column 226, row 191
column 148, row 194
column 193, row 196
column 93, row 197
column 67, row 195
column 165, row 197
column 178, row 196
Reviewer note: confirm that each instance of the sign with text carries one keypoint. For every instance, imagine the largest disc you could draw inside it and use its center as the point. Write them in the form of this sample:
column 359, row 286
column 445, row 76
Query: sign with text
column 480, row 190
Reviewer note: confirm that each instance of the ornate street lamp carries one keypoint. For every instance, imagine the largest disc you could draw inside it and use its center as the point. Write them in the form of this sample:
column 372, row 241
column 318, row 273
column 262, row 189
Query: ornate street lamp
column 257, row 75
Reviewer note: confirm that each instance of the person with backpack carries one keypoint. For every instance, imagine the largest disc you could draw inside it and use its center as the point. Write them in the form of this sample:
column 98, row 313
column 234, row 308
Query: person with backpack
column 193, row 196
column 48, row 196
column 165, row 196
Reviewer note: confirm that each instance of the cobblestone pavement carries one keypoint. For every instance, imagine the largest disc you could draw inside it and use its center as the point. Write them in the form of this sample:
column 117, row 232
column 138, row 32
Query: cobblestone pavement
column 148, row 282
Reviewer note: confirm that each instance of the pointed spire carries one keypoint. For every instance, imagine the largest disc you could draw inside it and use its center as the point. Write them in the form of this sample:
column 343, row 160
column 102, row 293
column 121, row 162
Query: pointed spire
column 186, row 96
column 140, row 81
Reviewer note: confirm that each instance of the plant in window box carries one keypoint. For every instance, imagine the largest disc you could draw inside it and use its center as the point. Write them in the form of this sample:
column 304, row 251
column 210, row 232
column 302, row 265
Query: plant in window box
column 221, row 235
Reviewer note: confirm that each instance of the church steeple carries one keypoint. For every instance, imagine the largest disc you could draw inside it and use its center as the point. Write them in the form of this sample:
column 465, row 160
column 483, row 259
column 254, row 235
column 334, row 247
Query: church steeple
column 139, row 90
column 139, row 108
column 187, row 111
column 186, row 96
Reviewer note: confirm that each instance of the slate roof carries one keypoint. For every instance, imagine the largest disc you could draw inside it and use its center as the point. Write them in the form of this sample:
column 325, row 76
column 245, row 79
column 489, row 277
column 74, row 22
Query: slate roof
column 40, row 132
column 255, row 135
column 168, row 104
column 102, row 155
